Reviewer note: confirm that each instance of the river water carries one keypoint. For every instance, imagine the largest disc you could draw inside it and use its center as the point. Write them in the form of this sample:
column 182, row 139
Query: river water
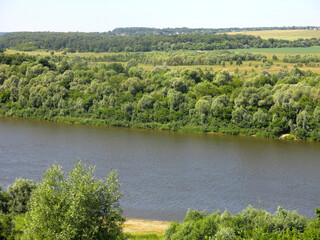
column 165, row 173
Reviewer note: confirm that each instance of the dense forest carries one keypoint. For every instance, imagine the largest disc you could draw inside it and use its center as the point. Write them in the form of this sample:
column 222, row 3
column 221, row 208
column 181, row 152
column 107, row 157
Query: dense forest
column 71, row 90
column 99, row 42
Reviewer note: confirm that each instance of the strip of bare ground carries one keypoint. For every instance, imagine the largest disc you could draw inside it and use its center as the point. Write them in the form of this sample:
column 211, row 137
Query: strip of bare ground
column 145, row 226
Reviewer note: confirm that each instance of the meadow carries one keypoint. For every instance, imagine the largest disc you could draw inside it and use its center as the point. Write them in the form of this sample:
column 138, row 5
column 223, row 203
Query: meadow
column 249, row 66
column 282, row 34
column 287, row 51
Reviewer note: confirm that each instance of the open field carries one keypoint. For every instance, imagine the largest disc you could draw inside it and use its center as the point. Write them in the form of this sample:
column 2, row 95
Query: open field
column 281, row 52
column 283, row 34
column 47, row 53
column 255, row 66
column 288, row 51
column 247, row 65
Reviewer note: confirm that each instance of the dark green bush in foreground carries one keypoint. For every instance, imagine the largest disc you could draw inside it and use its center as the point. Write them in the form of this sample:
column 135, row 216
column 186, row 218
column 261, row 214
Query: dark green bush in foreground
column 63, row 207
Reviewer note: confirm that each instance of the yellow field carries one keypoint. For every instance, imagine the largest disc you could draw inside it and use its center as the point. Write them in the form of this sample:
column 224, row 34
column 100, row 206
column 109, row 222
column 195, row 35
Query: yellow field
column 283, row 34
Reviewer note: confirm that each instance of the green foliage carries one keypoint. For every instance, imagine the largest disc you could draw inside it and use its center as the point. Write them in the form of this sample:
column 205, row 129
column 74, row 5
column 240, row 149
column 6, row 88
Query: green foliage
column 130, row 236
column 5, row 96
column 7, row 227
column 247, row 224
column 20, row 194
column 113, row 42
column 74, row 206
column 184, row 99
column 4, row 201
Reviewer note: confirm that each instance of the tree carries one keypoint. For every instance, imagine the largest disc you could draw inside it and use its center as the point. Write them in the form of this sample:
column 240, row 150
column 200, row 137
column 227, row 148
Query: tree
column 146, row 102
column 238, row 62
column 223, row 78
column 316, row 114
column 74, row 207
column 303, row 120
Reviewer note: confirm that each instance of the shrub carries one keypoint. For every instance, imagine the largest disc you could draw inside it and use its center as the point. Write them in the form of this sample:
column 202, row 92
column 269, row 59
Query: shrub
column 74, row 207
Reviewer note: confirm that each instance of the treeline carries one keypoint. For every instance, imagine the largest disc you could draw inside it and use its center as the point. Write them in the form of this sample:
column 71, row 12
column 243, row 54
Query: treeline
column 99, row 42
column 299, row 59
column 69, row 89
column 248, row 224
column 142, row 31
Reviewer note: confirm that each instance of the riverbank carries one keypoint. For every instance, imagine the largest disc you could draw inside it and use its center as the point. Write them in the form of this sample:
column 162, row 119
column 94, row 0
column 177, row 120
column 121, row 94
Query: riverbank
column 162, row 127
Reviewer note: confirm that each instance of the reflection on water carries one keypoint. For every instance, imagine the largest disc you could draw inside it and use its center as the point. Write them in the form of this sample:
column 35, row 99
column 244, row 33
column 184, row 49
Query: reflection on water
column 165, row 173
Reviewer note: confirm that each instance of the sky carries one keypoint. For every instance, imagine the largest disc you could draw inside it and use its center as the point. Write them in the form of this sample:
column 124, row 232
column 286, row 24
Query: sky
column 105, row 15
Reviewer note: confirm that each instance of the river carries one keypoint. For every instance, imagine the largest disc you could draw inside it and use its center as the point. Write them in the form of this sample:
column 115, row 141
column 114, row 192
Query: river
column 162, row 174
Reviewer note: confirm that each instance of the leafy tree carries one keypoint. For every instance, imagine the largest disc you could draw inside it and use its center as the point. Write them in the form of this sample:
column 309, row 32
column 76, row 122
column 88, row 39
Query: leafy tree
column 202, row 107
column 238, row 62
column 260, row 119
column 303, row 119
column 5, row 96
column 316, row 114
column 146, row 102
column 7, row 227
column 223, row 78
column 74, row 206
column 241, row 117
column 20, row 194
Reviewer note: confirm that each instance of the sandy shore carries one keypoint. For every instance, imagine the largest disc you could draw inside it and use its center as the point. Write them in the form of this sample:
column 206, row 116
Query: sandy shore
column 145, row 226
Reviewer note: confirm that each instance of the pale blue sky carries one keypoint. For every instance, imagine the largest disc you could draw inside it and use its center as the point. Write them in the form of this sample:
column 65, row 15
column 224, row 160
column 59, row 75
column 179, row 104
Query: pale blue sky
column 105, row 15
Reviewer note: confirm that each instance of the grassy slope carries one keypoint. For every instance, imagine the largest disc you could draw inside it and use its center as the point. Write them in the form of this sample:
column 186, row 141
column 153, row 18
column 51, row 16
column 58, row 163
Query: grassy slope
column 283, row 34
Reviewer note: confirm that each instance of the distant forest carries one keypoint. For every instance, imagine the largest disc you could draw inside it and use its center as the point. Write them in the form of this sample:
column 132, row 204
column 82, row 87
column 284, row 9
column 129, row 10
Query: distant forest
column 103, row 42
column 141, row 31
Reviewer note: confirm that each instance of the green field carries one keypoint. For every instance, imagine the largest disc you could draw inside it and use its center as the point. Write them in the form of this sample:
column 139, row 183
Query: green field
column 247, row 65
column 308, row 50
column 283, row 34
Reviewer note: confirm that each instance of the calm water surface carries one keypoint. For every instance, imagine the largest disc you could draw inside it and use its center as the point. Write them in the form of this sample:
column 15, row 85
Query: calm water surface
column 164, row 173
